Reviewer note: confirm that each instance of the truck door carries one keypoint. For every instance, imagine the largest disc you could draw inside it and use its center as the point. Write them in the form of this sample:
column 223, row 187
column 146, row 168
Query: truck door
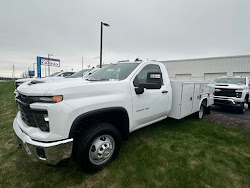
column 152, row 104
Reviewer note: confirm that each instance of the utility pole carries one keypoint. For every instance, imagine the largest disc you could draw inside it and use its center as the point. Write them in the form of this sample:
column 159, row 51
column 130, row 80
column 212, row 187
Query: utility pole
column 13, row 71
column 82, row 66
column 82, row 63
column 45, row 71
column 49, row 64
column 34, row 69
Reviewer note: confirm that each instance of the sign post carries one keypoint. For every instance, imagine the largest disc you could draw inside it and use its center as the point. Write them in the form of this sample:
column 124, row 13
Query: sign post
column 46, row 62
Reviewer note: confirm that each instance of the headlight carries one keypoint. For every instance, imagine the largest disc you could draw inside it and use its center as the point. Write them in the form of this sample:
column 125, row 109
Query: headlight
column 53, row 99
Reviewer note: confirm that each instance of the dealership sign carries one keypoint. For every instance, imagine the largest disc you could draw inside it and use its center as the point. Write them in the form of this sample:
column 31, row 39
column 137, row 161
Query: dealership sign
column 50, row 62
column 46, row 62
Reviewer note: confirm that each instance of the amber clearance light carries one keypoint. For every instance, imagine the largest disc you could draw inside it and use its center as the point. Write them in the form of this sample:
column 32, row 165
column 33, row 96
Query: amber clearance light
column 57, row 98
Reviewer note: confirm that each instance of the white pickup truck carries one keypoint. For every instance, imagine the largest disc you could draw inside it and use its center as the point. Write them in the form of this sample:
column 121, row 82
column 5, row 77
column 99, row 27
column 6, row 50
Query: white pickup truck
column 88, row 118
column 232, row 91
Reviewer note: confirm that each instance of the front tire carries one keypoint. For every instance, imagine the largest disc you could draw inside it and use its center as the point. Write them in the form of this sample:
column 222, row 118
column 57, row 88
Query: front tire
column 96, row 146
column 242, row 108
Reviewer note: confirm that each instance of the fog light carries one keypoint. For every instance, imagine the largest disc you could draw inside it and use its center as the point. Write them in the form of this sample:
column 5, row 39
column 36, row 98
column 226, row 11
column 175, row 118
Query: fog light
column 46, row 117
column 238, row 94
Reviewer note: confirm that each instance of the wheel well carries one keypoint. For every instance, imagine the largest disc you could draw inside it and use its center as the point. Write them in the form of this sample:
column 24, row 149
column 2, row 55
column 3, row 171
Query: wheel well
column 204, row 102
column 247, row 97
column 115, row 116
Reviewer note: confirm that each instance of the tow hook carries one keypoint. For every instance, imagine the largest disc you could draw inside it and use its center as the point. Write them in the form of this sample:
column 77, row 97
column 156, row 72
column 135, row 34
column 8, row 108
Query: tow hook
column 19, row 146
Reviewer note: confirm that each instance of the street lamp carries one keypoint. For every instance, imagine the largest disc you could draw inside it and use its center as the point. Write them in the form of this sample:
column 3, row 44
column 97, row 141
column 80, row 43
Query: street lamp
column 107, row 25
column 49, row 64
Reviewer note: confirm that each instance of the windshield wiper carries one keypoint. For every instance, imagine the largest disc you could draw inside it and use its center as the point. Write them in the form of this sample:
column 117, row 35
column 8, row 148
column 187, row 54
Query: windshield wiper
column 97, row 79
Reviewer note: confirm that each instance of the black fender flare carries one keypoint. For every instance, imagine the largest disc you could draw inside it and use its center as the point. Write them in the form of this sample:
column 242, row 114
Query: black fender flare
column 125, row 130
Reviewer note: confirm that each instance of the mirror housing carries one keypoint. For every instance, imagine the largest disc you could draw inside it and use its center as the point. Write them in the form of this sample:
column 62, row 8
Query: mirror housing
column 154, row 80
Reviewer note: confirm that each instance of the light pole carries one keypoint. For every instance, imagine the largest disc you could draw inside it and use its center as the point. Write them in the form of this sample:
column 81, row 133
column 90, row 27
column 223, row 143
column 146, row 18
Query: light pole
column 28, row 71
column 82, row 64
column 107, row 25
column 49, row 64
column 34, row 68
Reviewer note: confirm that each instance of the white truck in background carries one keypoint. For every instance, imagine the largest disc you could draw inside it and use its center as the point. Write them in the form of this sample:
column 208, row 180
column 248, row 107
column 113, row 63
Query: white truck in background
column 54, row 76
column 232, row 91
column 88, row 118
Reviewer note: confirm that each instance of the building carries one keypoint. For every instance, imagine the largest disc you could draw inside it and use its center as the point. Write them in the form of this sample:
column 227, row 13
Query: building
column 208, row 68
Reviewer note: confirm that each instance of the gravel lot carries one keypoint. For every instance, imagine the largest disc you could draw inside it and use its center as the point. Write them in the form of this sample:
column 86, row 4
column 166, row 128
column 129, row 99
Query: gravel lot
column 228, row 121
column 228, row 111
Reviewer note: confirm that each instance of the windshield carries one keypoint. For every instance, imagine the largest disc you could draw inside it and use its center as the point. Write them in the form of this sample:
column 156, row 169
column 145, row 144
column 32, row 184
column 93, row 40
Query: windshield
column 231, row 80
column 114, row 72
column 80, row 73
column 54, row 74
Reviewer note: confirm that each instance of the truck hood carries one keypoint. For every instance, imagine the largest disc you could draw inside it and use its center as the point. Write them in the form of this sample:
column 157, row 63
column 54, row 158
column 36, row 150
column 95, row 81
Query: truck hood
column 25, row 79
column 230, row 86
column 64, row 86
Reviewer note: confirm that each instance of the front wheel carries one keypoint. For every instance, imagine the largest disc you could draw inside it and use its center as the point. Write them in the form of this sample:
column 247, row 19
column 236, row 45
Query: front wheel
column 242, row 108
column 96, row 146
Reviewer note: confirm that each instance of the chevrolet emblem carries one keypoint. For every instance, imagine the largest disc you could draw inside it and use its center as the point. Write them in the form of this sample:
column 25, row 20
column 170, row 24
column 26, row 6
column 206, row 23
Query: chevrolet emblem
column 217, row 90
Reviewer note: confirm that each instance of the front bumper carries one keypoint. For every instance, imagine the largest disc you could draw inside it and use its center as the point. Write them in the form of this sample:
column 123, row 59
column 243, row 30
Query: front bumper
column 236, row 102
column 49, row 153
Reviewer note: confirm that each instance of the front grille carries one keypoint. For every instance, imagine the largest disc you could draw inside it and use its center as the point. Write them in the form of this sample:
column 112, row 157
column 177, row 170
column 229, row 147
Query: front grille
column 25, row 99
column 32, row 118
column 26, row 115
column 225, row 92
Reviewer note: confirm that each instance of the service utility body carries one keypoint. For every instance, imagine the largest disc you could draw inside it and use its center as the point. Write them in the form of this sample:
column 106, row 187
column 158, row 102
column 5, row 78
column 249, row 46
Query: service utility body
column 88, row 118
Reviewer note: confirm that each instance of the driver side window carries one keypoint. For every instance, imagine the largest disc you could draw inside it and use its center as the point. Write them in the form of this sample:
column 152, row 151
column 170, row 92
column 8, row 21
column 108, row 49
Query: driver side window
column 141, row 78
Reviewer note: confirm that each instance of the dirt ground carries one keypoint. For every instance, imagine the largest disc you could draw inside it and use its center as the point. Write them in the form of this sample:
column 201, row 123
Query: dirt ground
column 229, row 121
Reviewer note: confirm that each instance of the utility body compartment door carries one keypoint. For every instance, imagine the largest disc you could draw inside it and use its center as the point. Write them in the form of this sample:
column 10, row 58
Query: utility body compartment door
column 187, row 99
column 197, row 97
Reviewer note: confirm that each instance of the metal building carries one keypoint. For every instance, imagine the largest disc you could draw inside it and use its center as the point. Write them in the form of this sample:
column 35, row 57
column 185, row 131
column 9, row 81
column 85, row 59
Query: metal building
column 208, row 68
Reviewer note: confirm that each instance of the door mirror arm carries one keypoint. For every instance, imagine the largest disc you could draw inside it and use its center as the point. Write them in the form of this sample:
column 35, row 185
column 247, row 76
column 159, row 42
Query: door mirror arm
column 139, row 90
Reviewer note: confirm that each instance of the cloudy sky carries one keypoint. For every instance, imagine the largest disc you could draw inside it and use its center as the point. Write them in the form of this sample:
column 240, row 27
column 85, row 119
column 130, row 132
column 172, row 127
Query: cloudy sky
column 148, row 29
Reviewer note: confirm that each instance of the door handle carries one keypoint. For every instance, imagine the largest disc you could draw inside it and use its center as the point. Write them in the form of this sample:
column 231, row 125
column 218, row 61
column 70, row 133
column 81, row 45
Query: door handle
column 164, row 91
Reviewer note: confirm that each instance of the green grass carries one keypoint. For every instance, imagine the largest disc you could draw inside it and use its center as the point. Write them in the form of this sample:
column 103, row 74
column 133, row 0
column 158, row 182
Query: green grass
column 185, row 153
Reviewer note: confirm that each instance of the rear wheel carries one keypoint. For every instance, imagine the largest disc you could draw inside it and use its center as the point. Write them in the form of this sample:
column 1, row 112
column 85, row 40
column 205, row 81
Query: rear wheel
column 97, row 146
column 200, row 113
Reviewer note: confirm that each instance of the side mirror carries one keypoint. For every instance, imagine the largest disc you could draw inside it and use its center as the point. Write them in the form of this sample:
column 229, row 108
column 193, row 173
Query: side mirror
column 154, row 80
